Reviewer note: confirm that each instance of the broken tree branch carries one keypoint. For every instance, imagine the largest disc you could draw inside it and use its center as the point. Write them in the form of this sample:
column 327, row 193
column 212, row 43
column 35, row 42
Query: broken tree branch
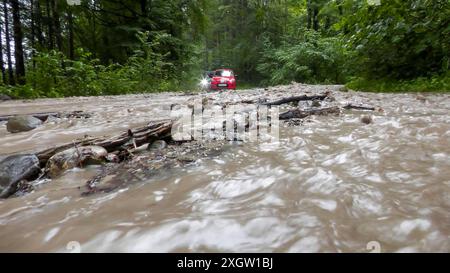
column 44, row 116
column 296, row 99
column 298, row 113
column 137, row 138
column 351, row 106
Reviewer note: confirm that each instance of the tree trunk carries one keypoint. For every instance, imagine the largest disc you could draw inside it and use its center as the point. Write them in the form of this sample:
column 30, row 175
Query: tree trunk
column 33, row 33
column 18, row 40
column 70, row 23
column 310, row 14
column 32, row 24
column 316, row 18
column 38, row 23
column 8, row 44
column 50, row 25
column 57, row 24
column 143, row 7
column 93, row 23
column 2, row 64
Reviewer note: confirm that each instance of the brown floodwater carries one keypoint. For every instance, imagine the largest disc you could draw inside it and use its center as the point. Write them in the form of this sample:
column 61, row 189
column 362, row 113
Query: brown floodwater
column 332, row 184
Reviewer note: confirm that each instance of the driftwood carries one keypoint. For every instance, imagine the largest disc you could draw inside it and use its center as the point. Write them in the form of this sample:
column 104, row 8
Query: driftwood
column 296, row 99
column 44, row 116
column 126, row 141
column 351, row 106
column 298, row 113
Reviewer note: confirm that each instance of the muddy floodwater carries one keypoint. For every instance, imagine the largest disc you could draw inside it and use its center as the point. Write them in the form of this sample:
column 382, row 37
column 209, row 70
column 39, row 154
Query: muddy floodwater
column 330, row 184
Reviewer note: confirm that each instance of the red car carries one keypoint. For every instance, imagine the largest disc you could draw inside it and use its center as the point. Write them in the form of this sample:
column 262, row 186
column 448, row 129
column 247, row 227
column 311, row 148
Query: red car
column 223, row 79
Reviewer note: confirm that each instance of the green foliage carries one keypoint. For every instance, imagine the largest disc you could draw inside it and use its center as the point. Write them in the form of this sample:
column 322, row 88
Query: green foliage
column 148, row 46
column 309, row 59
column 422, row 84
column 237, row 34
column 148, row 68
column 400, row 39
column 51, row 74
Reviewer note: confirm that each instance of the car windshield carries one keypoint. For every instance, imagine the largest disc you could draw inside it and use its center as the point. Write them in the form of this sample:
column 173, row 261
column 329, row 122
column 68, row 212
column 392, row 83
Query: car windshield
column 224, row 73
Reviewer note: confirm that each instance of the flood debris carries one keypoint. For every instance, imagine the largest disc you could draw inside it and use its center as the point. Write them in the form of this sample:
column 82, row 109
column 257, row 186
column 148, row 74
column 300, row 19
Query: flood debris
column 124, row 142
column 75, row 157
column 300, row 113
column 316, row 104
column 4, row 97
column 158, row 145
column 141, row 153
column 296, row 99
column 356, row 107
column 148, row 165
column 295, row 122
column 421, row 98
column 45, row 115
column 367, row 120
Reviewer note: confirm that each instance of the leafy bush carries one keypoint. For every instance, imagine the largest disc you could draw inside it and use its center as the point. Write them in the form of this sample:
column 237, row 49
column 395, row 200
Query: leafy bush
column 310, row 58
column 51, row 74
column 400, row 39
column 422, row 84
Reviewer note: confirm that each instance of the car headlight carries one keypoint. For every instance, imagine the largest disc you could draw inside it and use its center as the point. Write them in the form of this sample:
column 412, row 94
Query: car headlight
column 204, row 82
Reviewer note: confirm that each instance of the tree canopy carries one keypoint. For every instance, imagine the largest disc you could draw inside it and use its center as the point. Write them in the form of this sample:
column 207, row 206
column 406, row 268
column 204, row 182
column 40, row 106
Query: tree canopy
column 54, row 48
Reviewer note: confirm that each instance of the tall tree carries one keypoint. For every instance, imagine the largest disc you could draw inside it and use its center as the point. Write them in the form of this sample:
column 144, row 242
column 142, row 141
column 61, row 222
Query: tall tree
column 18, row 42
column 50, row 36
column 38, row 22
column 2, row 64
column 57, row 24
column 8, row 43
column 71, row 37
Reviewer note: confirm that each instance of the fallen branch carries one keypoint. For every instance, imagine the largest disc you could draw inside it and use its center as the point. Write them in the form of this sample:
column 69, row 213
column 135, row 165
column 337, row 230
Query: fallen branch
column 351, row 106
column 128, row 140
column 296, row 99
column 44, row 116
column 298, row 113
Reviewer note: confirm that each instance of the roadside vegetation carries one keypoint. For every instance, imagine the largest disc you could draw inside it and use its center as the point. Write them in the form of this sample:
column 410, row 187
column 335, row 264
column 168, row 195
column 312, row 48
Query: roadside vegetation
column 109, row 47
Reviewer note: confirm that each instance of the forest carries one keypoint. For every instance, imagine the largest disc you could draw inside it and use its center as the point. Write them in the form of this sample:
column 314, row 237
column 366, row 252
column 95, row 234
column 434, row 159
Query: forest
column 59, row 48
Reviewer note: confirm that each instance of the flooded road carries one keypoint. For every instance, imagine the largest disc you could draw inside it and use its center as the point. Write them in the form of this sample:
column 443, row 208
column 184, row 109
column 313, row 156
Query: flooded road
column 331, row 184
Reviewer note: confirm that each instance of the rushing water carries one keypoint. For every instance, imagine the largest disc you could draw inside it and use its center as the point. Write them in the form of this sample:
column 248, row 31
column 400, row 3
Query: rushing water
column 332, row 184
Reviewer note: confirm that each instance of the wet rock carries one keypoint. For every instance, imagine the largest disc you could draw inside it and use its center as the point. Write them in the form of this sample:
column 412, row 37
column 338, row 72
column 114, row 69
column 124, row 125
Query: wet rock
column 343, row 89
column 22, row 124
column 367, row 120
column 316, row 104
column 113, row 158
column 421, row 98
column 294, row 122
column 75, row 157
column 157, row 145
column 23, row 187
column 186, row 159
column 151, row 165
column 330, row 99
column 4, row 97
column 262, row 100
column 15, row 169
